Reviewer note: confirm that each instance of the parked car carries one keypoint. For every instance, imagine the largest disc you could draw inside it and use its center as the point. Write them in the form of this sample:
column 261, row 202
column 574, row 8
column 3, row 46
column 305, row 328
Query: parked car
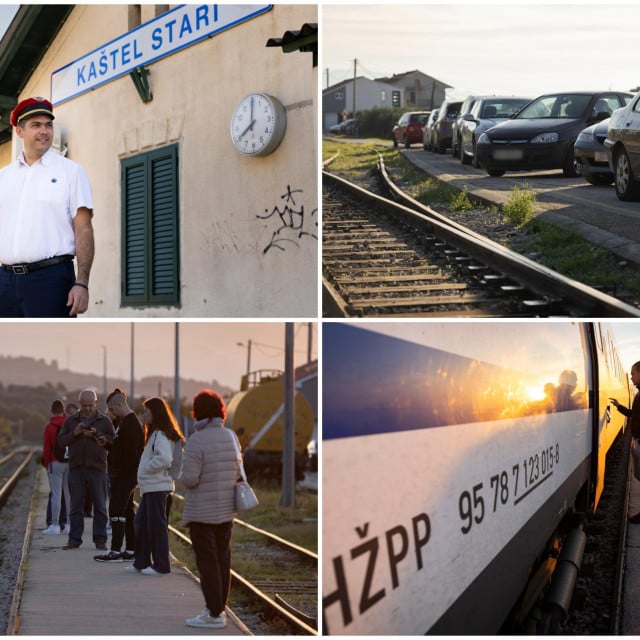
column 442, row 127
column 623, row 150
column 465, row 109
column 487, row 111
column 345, row 127
column 408, row 130
column 591, row 154
column 427, row 130
column 543, row 134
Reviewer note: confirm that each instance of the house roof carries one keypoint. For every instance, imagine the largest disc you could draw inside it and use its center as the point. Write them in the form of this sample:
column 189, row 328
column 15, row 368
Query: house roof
column 305, row 39
column 25, row 42
column 398, row 77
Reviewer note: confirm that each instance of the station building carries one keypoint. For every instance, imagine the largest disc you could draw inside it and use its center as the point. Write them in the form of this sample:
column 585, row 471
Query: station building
column 186, row 223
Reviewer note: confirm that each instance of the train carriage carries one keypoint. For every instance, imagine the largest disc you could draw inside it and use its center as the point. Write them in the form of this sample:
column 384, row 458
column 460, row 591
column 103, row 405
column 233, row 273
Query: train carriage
column 455, row 455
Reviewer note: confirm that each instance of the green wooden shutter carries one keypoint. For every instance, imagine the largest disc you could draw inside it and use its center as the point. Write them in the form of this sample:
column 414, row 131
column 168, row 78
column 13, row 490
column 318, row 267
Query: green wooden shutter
column 150, row 243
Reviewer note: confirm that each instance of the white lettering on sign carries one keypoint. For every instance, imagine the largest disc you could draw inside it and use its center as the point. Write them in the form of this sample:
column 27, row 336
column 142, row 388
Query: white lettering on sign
column 174, row 30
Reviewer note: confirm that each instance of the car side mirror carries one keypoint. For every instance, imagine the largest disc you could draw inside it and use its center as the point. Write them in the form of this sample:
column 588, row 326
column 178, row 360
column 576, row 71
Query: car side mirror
column 601, row 115
column 468, row 118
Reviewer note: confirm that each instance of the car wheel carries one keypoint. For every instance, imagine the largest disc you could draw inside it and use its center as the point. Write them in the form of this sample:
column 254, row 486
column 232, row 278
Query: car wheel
column 395, row 142
column 570, row 168
column 495, row 173
column 407, row 144
column 598, row 179
column 627, row 187
column 464, row 158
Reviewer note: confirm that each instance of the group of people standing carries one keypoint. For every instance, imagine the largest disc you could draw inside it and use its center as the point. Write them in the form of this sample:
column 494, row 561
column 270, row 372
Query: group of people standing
column 107, row 456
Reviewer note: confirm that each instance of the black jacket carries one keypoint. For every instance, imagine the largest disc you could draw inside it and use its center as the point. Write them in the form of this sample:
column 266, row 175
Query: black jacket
column 86, row 453
column 633, row 414
column 126, row 449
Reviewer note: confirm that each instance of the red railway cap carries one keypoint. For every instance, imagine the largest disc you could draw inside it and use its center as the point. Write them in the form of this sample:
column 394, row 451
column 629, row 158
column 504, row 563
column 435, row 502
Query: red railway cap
column 31, row 107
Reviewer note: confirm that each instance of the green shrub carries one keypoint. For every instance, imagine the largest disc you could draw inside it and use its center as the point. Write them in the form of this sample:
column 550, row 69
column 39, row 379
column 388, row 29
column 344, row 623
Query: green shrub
column 519, row 206
column 460, row 201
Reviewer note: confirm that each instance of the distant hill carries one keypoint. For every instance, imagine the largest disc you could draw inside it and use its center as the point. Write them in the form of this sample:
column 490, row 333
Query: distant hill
column 32, row 372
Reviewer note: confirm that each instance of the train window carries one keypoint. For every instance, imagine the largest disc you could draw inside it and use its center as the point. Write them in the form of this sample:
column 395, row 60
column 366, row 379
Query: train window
column 379, row 377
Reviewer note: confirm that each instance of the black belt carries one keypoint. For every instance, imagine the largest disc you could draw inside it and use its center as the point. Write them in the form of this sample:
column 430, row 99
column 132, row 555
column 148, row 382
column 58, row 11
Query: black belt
column 22, row 269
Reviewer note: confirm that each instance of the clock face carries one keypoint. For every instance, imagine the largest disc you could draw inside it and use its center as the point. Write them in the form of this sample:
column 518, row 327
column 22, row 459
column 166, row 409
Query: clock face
column 258, row 124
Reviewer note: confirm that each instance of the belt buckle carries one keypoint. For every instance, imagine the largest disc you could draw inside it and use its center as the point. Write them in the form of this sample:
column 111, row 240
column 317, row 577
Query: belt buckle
column 19, row 269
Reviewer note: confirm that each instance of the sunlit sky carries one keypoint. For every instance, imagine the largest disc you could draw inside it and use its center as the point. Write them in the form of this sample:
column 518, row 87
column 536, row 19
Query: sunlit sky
column 208, row 350
column 479, row 48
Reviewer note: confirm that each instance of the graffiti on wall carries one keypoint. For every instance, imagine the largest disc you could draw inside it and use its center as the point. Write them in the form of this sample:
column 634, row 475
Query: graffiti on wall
column 294, row 222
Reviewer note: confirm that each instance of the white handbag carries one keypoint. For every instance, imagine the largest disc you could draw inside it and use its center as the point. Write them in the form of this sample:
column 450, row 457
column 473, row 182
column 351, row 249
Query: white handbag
column 245, row 498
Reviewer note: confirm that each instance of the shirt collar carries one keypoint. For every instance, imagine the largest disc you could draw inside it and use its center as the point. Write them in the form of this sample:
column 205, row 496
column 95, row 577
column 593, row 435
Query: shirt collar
column 45, row 159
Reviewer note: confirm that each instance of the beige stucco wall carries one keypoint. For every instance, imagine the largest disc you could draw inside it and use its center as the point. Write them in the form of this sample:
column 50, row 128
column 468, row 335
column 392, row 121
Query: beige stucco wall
column 224, row 269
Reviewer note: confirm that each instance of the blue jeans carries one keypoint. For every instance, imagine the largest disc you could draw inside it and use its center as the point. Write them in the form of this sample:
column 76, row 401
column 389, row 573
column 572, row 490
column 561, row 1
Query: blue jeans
column 152, row 535
column 41, row 294
column 97, row 483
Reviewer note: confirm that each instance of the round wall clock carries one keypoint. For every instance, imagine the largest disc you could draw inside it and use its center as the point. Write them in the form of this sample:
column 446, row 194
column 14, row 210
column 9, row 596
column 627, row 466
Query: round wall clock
column 258, row 124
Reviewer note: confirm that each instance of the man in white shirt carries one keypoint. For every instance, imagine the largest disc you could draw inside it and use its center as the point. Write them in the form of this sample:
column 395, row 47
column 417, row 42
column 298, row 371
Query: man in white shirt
column 45, row 216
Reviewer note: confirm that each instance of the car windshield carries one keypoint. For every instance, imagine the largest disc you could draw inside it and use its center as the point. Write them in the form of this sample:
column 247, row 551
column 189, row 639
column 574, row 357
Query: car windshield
column 566, row 105
column 501, row 108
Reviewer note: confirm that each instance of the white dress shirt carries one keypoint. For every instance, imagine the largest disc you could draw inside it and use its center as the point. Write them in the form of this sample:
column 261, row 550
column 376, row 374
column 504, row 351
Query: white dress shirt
column 37, row 206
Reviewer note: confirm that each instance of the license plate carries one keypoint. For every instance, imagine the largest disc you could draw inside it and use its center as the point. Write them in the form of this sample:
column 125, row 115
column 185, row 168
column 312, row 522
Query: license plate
column 600, row 156
column 507, row 154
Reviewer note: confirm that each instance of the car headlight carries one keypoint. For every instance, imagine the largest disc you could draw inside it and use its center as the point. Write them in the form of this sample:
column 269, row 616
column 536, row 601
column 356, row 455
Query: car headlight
column 484, row 139
column 586, row 138
column 545, row 138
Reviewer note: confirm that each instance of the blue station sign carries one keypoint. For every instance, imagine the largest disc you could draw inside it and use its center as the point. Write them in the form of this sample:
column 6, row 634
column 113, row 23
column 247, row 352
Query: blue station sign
column 174, row 30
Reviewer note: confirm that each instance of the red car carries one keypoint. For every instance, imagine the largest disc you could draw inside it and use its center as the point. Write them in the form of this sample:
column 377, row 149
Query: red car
column 408, row 130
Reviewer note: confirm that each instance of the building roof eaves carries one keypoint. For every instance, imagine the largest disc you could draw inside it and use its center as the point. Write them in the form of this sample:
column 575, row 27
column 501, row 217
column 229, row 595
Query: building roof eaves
column 25, row 42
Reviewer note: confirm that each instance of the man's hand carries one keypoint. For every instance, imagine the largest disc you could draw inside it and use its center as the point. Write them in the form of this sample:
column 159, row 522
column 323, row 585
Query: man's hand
column 78, row 300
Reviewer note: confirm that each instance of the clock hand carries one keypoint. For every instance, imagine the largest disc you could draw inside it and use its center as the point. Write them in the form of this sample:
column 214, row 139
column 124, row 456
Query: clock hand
column 249, row 128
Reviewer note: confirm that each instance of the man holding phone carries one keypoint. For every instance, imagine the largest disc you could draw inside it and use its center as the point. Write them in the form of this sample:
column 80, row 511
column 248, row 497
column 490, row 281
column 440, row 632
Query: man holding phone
column 86, row 434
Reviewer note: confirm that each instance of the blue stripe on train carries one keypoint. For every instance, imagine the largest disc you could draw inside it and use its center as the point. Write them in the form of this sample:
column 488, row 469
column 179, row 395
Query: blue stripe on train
column 374, row 383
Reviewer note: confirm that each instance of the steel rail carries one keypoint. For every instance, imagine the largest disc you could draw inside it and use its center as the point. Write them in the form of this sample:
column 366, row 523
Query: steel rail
column 13, row 479
column 289, row 617
column 586, row 301
column 291, row 546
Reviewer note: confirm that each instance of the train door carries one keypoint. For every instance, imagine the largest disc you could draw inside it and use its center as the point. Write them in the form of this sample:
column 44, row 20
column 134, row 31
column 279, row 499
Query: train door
column 612, row 382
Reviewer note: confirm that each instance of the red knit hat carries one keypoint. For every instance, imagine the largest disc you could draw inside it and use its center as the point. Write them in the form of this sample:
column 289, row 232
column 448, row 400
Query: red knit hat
column 31, row 107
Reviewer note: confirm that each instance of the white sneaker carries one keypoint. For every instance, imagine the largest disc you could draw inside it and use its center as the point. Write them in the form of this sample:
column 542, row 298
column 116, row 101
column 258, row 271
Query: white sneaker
column 65, row 529
column 131, row 568
column 150, row 571
column 204, row 620
column 52, row 530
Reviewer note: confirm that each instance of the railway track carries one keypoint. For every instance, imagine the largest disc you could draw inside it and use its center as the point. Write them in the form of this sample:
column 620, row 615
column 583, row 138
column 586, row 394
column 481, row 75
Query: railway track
column 17, row 476
column 383, row 258
column 11, row 467
column 272, row 594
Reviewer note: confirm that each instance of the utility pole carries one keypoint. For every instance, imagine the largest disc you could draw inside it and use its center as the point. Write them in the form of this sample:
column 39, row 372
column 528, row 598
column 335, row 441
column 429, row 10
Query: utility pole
column 309, row 341
column 288, row 449
column 132, row 384
column 176, row 378
column 327, row 77
column 355, row 67
column 104, row 375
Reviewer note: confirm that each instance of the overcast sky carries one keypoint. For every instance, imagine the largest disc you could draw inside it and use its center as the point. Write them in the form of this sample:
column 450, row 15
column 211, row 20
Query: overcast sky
column 479, row 48
column 208, row 350
column 7, row 11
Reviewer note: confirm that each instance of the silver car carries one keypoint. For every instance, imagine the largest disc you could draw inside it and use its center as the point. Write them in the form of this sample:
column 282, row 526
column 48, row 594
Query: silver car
column 486, row 112
column 623, row 149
